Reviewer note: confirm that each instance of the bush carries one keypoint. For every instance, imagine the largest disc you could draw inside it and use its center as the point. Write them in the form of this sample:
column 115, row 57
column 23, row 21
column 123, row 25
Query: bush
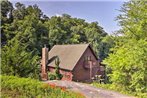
column 120, row 88
column 15, row 87
column 51, row 76
column 58, row 76
column 54, row 76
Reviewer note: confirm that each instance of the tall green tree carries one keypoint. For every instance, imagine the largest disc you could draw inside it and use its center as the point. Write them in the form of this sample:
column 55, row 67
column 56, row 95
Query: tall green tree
column 20, row 11
column 6, row 11
column 105, row 46
column 128, row 64
column 24, row 38
column 133, row 19
column 128, row 58
column 18, row 62
column 68, row 30
column 6, row 18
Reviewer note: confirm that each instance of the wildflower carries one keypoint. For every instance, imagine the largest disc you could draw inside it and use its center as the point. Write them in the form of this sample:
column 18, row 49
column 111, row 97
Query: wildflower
column 52, row 85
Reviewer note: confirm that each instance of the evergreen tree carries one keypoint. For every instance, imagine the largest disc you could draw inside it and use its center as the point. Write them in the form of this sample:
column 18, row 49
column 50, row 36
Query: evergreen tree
column 18, row 62
column 57, row 69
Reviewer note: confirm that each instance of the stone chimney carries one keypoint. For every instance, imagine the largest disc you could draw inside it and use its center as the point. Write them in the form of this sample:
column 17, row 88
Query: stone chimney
column 44, row 61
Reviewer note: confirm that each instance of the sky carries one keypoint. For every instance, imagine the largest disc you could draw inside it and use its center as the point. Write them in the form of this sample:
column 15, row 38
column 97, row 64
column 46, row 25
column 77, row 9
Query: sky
column 102, row 11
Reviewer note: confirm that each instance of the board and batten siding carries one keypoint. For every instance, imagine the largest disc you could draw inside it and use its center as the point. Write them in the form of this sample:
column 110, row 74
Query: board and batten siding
column 80, row 73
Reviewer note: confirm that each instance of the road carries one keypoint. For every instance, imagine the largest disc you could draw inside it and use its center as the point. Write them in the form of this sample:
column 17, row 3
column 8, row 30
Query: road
column 88, row 90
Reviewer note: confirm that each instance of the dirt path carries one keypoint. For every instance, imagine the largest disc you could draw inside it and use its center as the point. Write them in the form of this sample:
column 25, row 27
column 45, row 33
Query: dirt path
column 88, row 90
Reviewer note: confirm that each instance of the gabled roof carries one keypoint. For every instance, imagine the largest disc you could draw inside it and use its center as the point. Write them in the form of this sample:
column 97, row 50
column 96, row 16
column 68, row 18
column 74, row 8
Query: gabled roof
column 68, row 55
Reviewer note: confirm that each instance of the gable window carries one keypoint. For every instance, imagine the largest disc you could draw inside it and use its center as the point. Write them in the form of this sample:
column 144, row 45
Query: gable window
column 87, row 58
column 87, row 61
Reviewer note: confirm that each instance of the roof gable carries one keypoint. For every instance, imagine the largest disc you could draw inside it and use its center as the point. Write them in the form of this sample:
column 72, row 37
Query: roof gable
column 68, row 55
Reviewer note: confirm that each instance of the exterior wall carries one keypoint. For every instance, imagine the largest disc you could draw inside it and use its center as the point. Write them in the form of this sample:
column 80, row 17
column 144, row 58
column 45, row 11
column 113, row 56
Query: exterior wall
column 80, row 73
column 67, row 75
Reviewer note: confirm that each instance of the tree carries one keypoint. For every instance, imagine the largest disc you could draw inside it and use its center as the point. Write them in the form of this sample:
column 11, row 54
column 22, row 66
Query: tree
column 128, row 58
column 57, row 69
column 128, row 64
column 105, row 46
column 68, row 30
column 16, row 61
column 133, row 19
column 6, row 17
column 23, row 42
column 6, row 11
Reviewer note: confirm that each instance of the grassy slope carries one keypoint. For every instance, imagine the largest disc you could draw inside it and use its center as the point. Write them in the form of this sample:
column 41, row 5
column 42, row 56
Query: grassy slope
column 15, row 87
column 120, row 89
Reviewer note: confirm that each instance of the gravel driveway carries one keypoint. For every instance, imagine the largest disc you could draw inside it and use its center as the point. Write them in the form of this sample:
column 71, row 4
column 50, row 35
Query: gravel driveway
column 88, row 90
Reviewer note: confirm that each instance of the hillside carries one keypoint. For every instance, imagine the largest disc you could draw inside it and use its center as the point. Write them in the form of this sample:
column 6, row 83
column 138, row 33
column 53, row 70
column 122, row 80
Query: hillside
column 15, row 87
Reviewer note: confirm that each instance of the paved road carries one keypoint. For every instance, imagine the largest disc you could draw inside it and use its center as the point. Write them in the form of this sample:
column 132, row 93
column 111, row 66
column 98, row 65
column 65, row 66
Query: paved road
column 88, row 90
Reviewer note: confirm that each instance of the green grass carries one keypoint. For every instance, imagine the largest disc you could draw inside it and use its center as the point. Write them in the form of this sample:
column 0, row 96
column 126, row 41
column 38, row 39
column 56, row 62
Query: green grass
column 15, row 87
column 120, row 89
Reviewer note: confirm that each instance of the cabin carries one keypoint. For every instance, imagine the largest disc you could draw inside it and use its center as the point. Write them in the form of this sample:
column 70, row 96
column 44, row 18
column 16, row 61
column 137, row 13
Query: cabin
column 77, row 62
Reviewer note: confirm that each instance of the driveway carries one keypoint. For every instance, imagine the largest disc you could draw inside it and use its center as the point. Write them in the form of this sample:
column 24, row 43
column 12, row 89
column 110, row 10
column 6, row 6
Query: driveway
column 88, row 90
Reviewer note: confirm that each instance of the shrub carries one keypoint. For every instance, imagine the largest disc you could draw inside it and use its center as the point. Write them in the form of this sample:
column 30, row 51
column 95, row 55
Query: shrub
column 51, row 76
column 119, row 88
column 15, row 87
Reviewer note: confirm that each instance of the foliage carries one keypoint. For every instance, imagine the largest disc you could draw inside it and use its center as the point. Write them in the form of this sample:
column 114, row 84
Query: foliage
column 133, row 19
column 16, row 61
column 129, row 63
column 26, row 88
column 120, row 89
column 51, row 76
column 56, row 75
column 21, row 43
column 128, row 58
column 105, row 45
column 6, row 11
column 6, row 17
column 57, row 69
column 68, row 30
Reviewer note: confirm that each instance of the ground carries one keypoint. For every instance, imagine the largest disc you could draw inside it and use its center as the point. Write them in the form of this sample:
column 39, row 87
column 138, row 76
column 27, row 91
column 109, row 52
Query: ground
column 88, row 90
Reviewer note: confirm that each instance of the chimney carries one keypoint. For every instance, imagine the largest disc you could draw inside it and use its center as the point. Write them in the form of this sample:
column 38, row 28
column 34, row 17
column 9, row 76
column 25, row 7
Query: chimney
column 44, row 61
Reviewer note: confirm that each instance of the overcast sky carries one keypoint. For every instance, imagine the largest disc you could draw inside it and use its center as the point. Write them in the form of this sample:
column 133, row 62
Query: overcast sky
column 102, row 11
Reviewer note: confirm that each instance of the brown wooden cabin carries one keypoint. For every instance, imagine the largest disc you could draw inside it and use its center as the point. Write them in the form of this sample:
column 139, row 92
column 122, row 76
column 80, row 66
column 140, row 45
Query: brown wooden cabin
column 77, row 62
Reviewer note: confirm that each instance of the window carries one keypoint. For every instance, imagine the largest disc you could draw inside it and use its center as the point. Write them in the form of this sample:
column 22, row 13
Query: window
column 87, row 58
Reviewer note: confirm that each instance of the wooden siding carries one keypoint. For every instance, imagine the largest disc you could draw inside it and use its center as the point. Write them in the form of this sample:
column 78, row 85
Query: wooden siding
column 83, row 74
